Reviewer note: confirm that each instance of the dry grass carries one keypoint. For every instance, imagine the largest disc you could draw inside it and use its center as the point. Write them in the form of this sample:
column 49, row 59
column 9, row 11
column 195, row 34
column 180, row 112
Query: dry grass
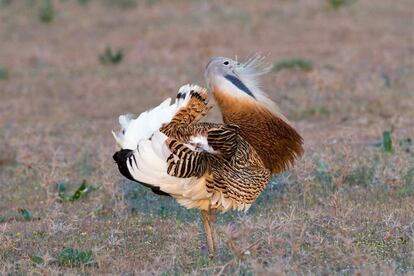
column 346, row 208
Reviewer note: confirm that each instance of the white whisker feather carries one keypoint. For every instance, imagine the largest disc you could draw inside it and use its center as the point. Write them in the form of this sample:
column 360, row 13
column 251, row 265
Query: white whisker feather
column 248, row 72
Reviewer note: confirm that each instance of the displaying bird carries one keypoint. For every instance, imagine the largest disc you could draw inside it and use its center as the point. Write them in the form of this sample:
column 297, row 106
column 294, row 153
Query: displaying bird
column 210, row 166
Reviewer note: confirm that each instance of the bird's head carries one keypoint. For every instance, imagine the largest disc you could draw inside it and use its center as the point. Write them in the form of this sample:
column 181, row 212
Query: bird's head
column 230, row 78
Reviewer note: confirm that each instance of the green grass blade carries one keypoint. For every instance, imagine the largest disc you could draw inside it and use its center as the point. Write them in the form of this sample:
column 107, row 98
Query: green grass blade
column 83, row 190
column 387, row 141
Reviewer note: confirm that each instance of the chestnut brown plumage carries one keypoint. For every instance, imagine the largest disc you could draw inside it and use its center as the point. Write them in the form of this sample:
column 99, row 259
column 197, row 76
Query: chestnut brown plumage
column 274, row 139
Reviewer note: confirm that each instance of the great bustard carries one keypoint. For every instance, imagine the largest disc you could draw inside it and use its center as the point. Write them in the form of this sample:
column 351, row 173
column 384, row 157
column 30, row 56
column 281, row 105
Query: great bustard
column 210, row 166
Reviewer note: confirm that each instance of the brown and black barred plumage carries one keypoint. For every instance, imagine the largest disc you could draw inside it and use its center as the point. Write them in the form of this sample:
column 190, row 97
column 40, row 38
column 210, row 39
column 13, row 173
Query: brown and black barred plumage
column 211, row 166
column 233, row 171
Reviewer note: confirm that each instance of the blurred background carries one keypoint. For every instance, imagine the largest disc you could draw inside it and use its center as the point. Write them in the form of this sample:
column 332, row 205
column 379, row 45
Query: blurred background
column 343, row 73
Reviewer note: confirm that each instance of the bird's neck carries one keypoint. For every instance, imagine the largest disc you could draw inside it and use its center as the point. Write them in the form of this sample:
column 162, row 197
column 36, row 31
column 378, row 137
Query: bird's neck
column 273, row 138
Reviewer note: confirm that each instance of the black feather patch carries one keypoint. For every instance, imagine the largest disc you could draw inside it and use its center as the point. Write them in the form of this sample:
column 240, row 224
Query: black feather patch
column 181, row 95
column 121, row 158
column 239, row 84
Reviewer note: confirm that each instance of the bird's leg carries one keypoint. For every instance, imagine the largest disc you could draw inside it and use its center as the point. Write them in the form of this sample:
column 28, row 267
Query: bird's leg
column 212, row 220
column 207, row 227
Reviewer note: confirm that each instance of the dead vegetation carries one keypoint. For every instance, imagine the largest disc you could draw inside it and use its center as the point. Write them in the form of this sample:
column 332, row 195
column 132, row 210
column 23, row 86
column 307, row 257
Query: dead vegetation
column 344, row 74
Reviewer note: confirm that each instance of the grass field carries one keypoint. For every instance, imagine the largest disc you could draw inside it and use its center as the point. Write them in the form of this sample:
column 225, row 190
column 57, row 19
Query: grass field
column 343, row 74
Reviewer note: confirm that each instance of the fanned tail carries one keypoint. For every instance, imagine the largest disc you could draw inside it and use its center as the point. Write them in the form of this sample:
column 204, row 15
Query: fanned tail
column 144, row 153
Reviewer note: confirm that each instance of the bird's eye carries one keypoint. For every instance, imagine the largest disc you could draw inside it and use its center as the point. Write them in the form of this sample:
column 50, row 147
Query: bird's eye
column 226, row 63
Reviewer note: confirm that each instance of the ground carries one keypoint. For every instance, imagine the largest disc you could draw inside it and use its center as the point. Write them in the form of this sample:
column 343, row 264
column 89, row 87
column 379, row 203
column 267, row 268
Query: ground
column 343, row 75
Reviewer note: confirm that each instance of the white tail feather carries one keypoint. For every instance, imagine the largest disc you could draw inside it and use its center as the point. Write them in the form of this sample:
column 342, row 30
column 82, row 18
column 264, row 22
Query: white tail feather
column 141, row 128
